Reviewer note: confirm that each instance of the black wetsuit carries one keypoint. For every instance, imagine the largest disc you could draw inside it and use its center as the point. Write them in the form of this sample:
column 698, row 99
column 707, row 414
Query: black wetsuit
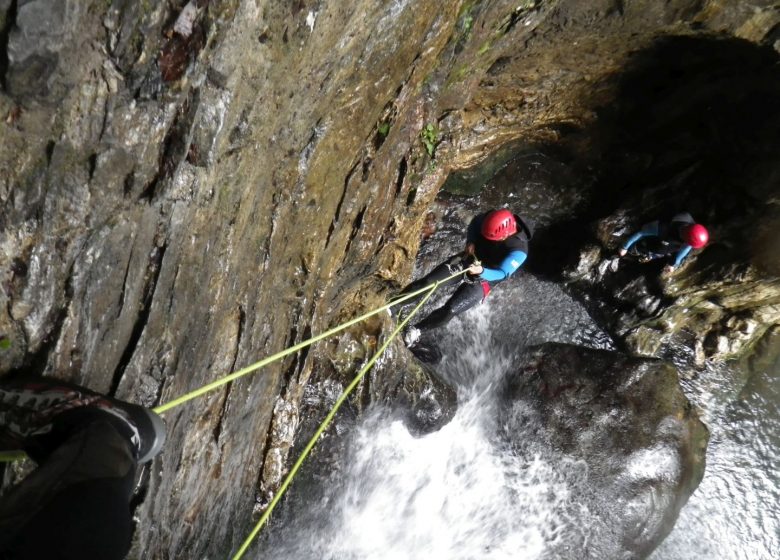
column 499, row 259
column 656, row 240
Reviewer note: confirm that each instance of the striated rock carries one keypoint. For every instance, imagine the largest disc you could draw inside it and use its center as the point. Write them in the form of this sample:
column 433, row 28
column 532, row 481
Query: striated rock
column 190, row 186
column 627, row 425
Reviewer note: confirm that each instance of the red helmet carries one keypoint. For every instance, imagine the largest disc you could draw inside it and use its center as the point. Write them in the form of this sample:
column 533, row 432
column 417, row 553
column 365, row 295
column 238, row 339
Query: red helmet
column 498, row 225
column 695, row 235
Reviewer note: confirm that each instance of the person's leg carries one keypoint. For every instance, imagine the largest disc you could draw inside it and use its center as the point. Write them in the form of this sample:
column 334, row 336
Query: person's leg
column 77, row 503
column 442, row 271
column 87, row 447
column 650, row 249
column 465, row 297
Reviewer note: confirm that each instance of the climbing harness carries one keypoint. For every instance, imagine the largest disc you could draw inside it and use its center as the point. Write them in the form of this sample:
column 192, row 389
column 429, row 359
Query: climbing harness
column 7, row 456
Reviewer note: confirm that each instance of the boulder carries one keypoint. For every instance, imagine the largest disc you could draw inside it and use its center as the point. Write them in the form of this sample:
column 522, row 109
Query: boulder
column 629, row 440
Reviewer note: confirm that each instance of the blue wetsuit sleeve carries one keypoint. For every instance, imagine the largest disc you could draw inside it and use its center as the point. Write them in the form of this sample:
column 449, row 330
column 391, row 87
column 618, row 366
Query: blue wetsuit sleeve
column 648, row 230
column 509, row 265
column 681, row 254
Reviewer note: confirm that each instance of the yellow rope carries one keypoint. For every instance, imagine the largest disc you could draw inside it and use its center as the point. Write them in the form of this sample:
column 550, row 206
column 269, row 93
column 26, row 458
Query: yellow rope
column 329, row 418
column 8, row 456
column 279, row 355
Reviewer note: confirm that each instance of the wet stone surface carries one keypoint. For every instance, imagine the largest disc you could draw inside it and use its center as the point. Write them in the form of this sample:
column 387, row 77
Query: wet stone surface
column 190, row 186
column 639, row 444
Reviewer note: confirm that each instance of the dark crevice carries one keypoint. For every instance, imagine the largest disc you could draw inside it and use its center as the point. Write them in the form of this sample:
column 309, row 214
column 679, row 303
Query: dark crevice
column 356, row 223
column 399, row 182
column 175, row 146
column 92, row 162
column 411, row 196
column 513, row 19
column 217, row 431
column 289, row 373
column 499, row 65
column 308, row 149
column 366, row 168
column 127, row 185
column 239, row 335
column 10, row 19
column 152, row 273
column 172, row 291
column 304, row 353
column 161, row 385
column 50, row 151
column 365, row 392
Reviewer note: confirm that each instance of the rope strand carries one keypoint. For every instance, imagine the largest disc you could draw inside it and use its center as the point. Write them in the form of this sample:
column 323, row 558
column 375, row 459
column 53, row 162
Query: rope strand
column 326, row 422
column 286, row 352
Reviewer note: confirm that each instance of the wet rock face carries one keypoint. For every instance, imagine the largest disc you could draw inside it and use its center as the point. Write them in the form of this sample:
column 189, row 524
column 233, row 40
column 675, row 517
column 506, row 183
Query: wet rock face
column 625, row 424
column 41, row 30
column 189, row 186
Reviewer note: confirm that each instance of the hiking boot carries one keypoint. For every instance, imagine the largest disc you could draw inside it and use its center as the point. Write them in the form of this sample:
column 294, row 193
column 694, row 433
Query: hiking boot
column 34, row 409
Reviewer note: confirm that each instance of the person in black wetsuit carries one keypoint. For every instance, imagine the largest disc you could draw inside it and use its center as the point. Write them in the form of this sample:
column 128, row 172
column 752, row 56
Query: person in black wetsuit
column 658, row 239
column 76, row 504
column 496, row 246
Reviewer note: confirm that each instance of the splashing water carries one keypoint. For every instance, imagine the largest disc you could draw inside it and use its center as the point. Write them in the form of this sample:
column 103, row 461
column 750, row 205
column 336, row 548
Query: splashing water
column 462, row 493
column 459, row 493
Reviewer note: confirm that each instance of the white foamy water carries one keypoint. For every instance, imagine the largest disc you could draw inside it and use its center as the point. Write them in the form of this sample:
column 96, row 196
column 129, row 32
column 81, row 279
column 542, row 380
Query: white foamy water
column 461, row 493
column 451, row 494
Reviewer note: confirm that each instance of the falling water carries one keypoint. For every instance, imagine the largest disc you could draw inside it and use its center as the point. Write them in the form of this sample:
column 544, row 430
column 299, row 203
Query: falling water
column 462, row 492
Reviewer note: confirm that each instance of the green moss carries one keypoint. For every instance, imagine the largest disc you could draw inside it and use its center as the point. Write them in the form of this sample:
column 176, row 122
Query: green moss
column 383, row 128
column 466, row 17
column 429, row 136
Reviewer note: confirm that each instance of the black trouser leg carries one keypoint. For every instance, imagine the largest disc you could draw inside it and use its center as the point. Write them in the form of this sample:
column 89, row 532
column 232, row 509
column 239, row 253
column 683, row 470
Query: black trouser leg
column 652, row 249
column 77, row 503
column 465, row 297
column 442, row 271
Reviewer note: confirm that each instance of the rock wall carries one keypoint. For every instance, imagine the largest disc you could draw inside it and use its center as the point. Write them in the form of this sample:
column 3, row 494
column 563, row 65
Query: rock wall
column 189, row 186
